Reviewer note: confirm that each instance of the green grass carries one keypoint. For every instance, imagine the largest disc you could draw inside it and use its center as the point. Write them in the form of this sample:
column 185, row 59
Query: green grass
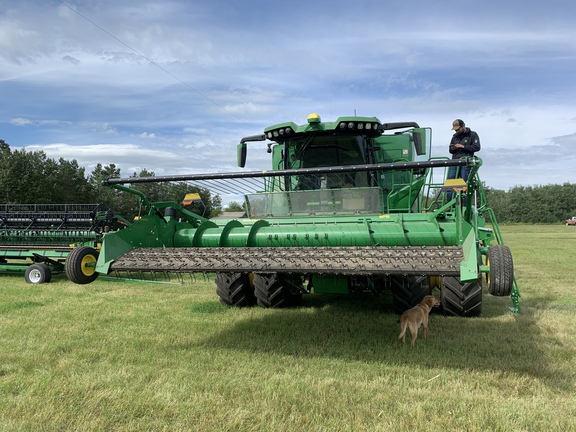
column 140, row 356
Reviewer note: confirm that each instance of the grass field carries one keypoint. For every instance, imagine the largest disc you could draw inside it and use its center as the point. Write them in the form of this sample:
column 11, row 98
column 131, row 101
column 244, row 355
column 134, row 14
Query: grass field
column 144, row 357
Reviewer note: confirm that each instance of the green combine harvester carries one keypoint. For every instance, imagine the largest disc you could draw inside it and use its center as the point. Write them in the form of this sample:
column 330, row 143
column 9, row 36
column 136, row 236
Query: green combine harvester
column 353, row 205
column 36, row 239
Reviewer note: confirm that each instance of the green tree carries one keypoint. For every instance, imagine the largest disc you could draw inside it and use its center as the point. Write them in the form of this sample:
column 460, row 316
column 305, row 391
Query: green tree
column 211, row 204
column 113, row 198
column 234, row 207
column 171, row 192
column 497, row 200
column 24, row 180
column 31, row 177
column 67, row 182
column 5, row 155
column 534, row 204
column 154, row 191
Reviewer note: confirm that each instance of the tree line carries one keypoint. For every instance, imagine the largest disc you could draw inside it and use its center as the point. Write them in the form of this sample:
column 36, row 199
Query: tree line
column 533, row 204
column 32, row 177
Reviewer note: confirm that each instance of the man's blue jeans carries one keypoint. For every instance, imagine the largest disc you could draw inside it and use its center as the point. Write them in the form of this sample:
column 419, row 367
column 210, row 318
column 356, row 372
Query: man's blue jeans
column 463, row 173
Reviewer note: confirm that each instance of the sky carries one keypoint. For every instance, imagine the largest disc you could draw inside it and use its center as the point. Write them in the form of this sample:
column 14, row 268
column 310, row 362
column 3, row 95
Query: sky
column 172, row 86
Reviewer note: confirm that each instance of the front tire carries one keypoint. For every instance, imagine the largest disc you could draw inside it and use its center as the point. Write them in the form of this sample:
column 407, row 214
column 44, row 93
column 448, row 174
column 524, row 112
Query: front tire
column 234, row 289
column 80, row 265
column 501, row 276
column 408, row 291
column 273, row 291
column 37, row 274
column 461, row 299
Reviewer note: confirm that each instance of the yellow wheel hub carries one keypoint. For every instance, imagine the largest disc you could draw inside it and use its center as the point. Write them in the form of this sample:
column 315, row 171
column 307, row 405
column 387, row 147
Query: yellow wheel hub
column 88, row 270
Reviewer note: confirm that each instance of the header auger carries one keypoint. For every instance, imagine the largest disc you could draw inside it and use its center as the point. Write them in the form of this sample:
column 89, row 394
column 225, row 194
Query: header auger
column 350, row 205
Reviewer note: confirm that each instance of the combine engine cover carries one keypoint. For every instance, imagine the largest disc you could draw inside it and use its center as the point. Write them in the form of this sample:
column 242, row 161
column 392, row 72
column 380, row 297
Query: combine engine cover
column 351, row 205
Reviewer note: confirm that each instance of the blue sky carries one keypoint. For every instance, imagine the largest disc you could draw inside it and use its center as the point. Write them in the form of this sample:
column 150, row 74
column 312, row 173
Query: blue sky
column 171, row 86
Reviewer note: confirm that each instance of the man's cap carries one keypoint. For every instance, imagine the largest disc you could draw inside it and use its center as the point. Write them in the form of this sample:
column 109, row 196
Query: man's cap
column 460, row 123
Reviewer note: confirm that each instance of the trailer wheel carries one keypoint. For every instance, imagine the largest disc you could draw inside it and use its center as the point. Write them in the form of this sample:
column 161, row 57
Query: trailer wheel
column 408, row 291
column 234, row 289
column 77, row 268
column 458, row 299
column 272, row 291
column 37, row 274
column 501, row 276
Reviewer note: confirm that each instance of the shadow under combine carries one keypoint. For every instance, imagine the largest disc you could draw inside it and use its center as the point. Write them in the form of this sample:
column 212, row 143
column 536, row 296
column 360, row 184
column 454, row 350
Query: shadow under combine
column 365, row 329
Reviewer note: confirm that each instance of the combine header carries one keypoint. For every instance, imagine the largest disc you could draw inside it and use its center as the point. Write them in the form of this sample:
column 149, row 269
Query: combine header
column 37, row 238
column 350, row 205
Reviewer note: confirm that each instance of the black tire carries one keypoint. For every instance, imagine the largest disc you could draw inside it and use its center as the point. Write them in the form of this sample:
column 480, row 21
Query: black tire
column 464, row 300
column 274, row 291
column 408, row 291
column 77, row 266
column 234, row 289
column 501, row 276
column 37, row 274
column 48, row 271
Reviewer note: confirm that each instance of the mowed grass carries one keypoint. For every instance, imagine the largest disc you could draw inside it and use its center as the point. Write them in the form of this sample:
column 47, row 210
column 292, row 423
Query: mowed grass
column 143, row 357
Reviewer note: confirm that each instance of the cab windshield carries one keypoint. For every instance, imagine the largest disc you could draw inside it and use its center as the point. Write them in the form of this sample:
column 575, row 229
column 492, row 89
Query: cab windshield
column 323, row 151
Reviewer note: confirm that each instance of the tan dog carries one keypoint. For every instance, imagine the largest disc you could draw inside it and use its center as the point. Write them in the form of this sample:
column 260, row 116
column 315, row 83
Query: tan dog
column 417, row 316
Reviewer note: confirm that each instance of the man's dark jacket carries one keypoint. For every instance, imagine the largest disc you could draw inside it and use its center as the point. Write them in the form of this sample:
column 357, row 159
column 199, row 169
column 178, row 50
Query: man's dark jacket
column 469, row 139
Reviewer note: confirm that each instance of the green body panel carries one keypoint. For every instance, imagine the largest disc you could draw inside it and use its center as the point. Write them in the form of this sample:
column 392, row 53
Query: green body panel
column 330, row 284
column 27, row 253
column 148, row 231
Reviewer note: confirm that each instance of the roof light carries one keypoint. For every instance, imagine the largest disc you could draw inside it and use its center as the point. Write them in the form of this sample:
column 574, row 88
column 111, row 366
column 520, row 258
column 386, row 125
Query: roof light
column 362, row 127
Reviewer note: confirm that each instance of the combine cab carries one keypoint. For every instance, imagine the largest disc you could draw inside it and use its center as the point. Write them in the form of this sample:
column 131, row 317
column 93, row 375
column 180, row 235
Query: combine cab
column 36, row 239
column 349, row 206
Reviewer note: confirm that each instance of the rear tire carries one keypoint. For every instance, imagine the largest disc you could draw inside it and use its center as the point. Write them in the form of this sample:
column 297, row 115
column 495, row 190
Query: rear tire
column 234, row 289
column 408, row 291
column 37, row 274
column 501, row 276
column 273, row 291
column 464, row 300
column 77, row 266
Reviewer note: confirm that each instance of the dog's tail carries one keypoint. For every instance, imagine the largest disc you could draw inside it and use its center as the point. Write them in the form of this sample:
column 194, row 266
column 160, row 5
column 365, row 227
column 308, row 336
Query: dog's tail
column 403, row 325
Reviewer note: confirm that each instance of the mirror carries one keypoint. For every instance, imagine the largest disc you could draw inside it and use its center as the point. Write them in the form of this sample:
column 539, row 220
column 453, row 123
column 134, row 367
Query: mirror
column 242, row 150
column 420, row 150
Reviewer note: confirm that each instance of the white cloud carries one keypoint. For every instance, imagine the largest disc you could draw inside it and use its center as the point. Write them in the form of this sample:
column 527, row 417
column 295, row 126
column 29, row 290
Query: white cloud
column 20, row 121
column 222, row 71
column 29, row 122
